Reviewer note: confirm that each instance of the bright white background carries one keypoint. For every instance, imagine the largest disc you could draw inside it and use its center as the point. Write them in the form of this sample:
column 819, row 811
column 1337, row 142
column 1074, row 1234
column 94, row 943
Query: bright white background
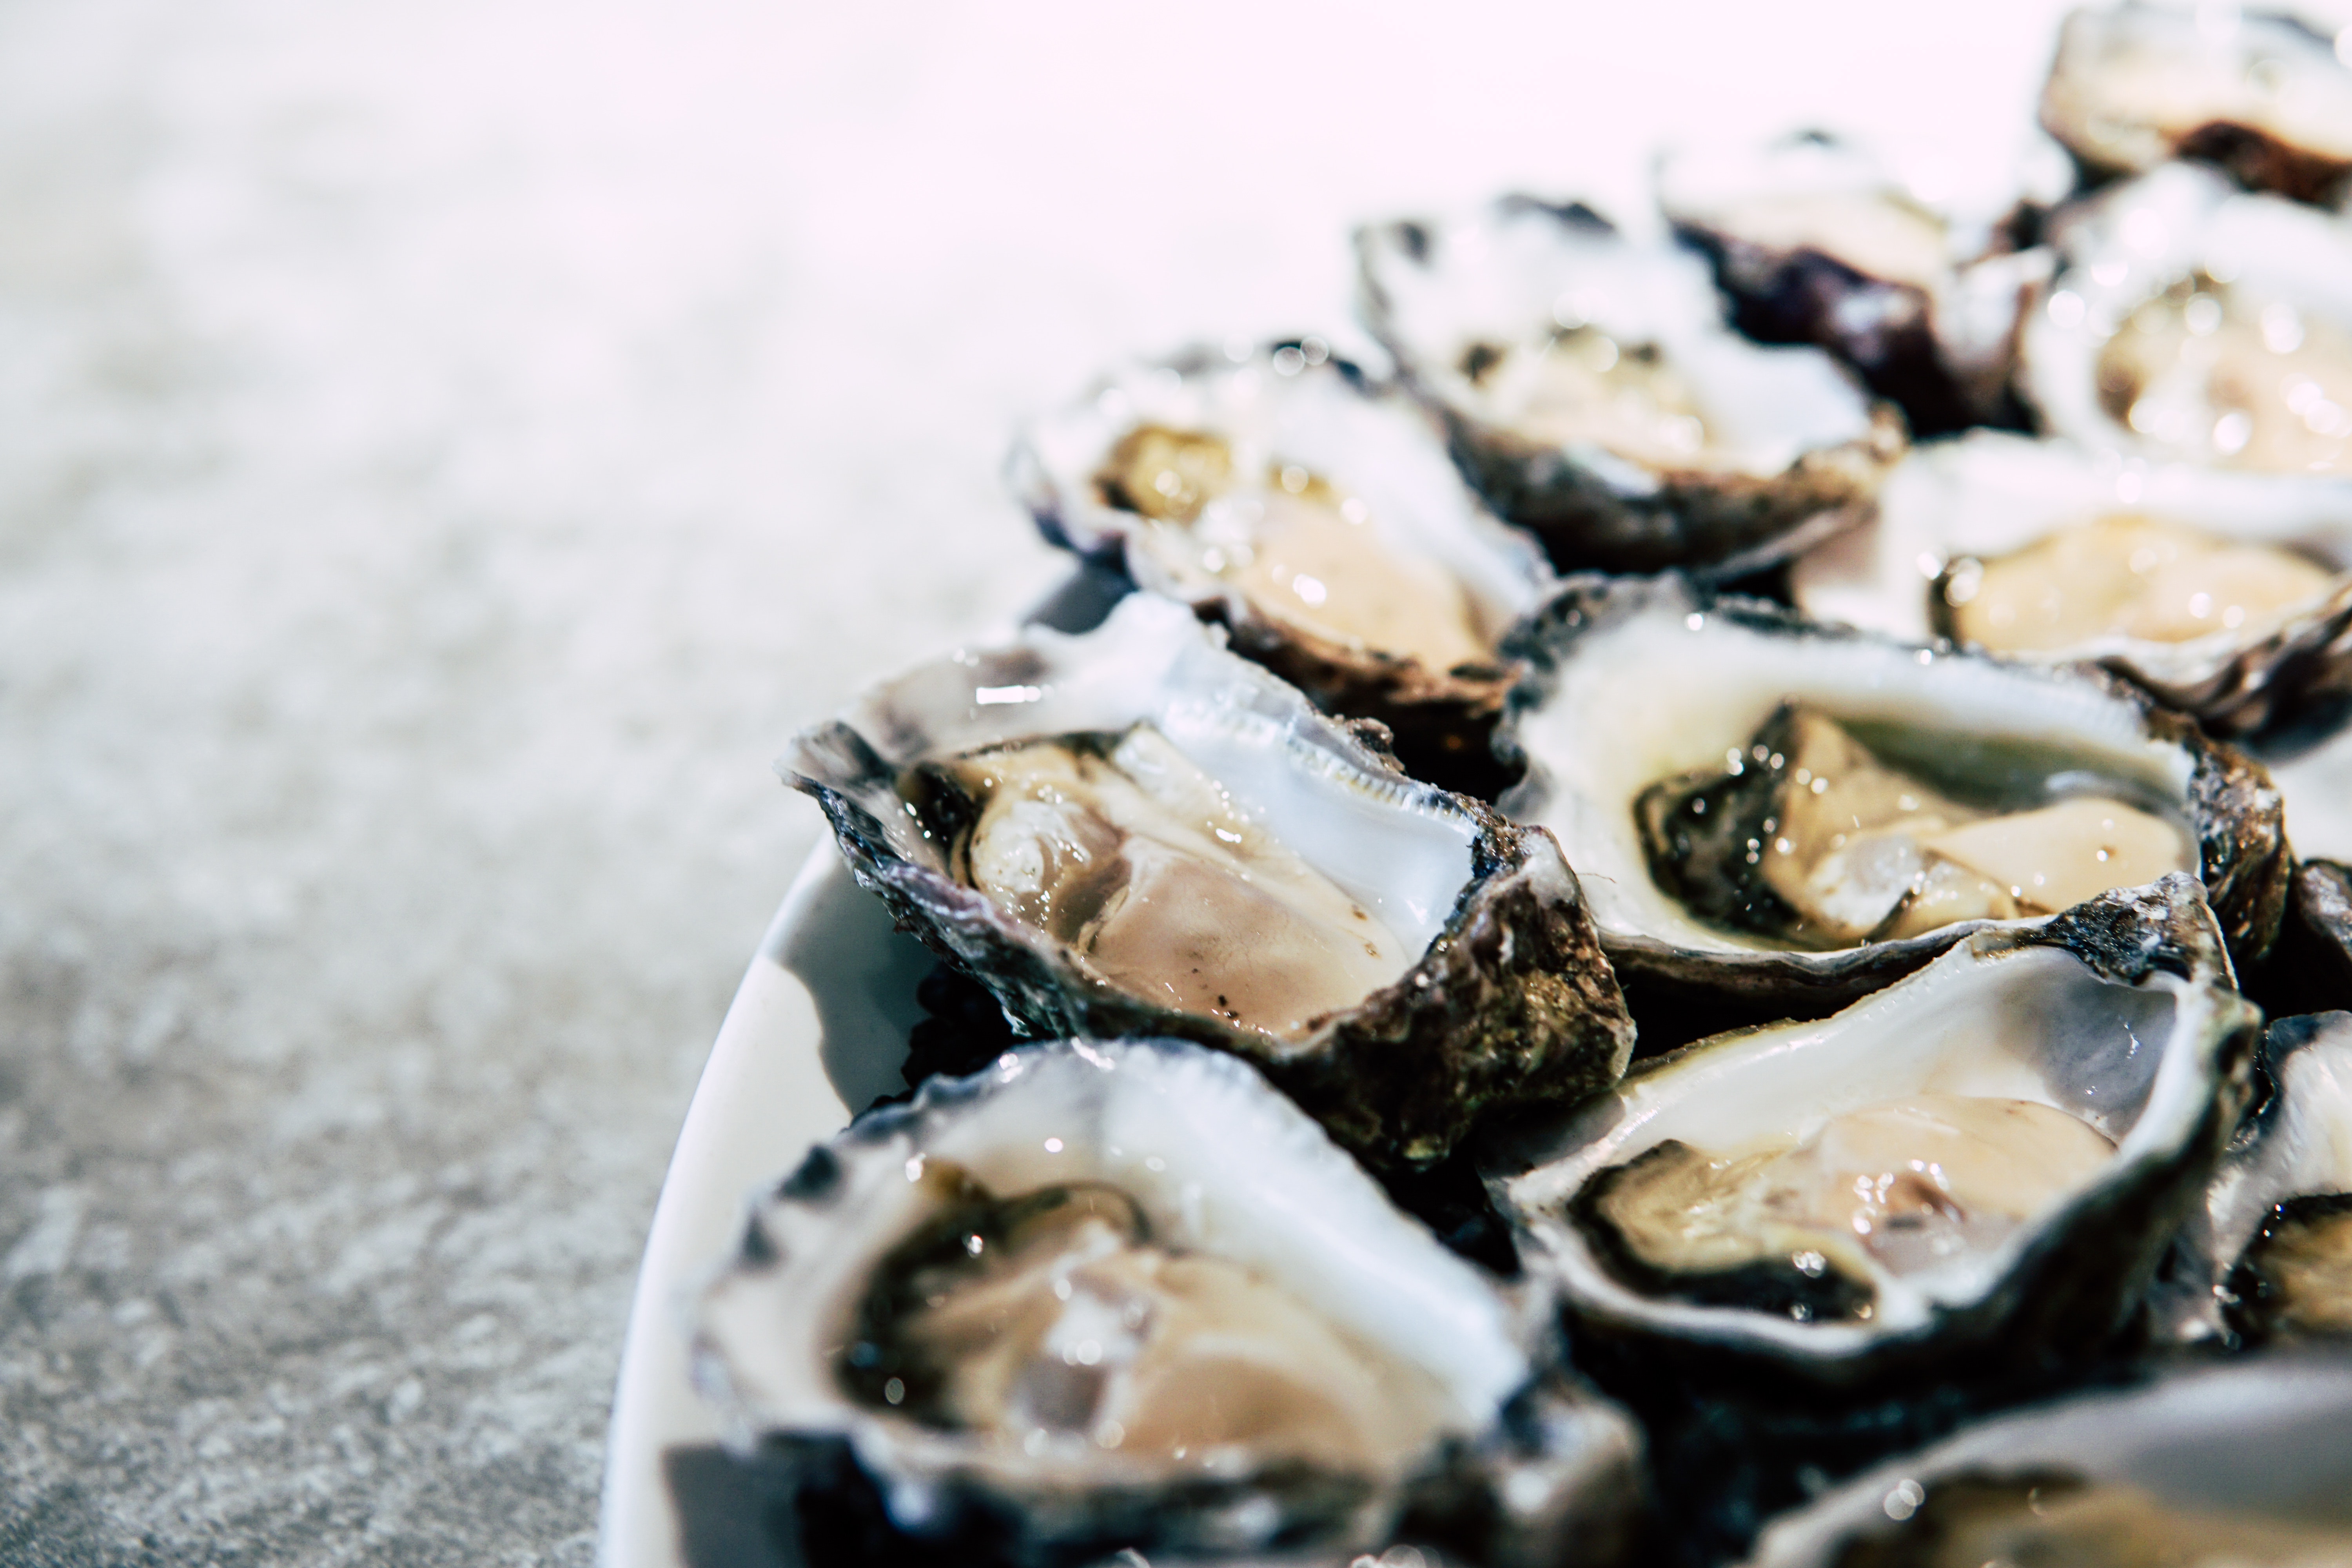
column 445, row 450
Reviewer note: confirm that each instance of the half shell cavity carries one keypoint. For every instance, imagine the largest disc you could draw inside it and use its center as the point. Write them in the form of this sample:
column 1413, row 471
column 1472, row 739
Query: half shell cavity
column 2192, row 323
column 2262, row 95
column 1819, row 240
column 2246, row 1462
column 1591, row 389
column 1134, row 831
column 1996, row 1148
column 2222, row 592
column 1321, row 520
column 1773, row 814
column 1111, row 1296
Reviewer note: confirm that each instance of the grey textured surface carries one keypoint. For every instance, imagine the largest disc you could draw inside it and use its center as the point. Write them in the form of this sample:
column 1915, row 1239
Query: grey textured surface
column 444, row 449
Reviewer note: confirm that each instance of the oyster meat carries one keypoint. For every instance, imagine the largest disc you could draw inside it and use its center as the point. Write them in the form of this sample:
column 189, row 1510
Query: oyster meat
column 1813, row 838
column 2222, row 592
column 1108, row 1295
column 1591, row 389
column 1984, row 1160
column 1317, row 518
column 2264, row 97
column 2237, row 1465
column 1913, row 278
column 1133, row 831
column 1775, row 818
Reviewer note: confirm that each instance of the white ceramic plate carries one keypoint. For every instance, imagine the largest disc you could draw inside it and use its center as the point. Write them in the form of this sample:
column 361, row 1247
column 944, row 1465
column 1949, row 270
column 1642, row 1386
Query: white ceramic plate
column 818, row 1026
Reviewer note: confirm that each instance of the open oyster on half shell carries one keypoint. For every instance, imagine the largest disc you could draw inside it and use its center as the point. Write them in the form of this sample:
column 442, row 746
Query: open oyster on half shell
column 1319, row 519
column 1133, row 831
column 2247, row 1464
column 1984, row 1160
column 2223, row 592
column 1592, row 391
column 2191, row 322
column 2271, row 1255
column 1773, row 817
column 2264, row 97
column 1914, row 279
column 1108, row 1297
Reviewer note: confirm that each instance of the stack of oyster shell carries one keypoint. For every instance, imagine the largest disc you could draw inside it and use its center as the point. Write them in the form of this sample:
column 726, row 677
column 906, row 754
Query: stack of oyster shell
column 1702, row 921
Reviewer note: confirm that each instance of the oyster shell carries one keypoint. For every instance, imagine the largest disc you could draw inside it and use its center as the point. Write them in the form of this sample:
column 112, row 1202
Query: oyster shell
column 1107, row 1296
column 1984, row 1161
column 1641, row 729
column 2223, row 592
column 2249, row 1462
column 1319, row 519
column 2263, row 97
column 2192, row 323
column 1134, row 831
column 1591, row 389
column 2271, row 1253
column 2313, row 956
column 1819, row 240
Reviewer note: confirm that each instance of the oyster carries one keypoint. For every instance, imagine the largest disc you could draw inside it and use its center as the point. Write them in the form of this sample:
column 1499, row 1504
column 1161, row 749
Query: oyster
column 1134, row 831
column 1107, row 1296
column 1984, row 1160
column 2194, row 323
column 1773, row 817
column 1819, row 240
column 2222, row 592
column 1591, row 389
column 2271, row 1255
column 2247, row 1464
column 1317, row 519
column 2261, row 95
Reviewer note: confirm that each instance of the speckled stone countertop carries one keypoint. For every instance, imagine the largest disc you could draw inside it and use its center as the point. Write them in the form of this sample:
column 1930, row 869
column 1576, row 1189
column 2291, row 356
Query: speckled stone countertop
column 444, row 449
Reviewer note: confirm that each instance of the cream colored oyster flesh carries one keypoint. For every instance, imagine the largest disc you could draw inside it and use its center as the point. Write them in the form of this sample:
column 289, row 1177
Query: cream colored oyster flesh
column 1162, row 885
column 1874, row 232
column 1970, row 1521
column 1582, row 387
column 1903, row 1186
column 2206, row 374
column 1294, row 547
column 1053, row 1322
column 1808, row 836
column 2137, row 577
